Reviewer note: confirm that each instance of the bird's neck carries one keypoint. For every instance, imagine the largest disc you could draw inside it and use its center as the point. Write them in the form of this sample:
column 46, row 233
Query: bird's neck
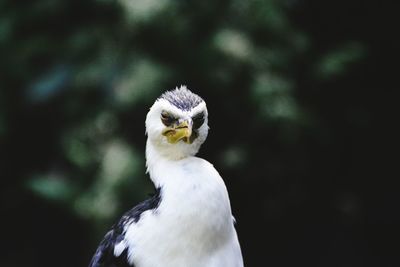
column 158, row 163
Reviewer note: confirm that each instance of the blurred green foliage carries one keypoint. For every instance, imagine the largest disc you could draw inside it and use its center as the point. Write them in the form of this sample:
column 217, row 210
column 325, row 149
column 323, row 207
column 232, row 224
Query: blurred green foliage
column 119, row 51
column 77, row 79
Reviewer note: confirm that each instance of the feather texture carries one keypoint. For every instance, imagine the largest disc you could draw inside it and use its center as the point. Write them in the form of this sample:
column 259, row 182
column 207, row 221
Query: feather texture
column 112, row 251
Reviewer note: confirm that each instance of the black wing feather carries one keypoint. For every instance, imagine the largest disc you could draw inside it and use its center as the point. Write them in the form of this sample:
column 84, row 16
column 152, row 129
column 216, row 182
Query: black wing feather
column 104, row 255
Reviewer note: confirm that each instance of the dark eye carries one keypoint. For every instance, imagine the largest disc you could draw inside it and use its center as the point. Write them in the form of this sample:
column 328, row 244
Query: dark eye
column 166, row 118
column 198, row 120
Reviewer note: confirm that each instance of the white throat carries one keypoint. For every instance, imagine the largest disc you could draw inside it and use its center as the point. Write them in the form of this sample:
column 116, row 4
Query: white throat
column 156, row 161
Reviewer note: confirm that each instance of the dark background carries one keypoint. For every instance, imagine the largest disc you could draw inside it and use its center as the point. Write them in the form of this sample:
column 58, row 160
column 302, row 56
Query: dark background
column 302, row 109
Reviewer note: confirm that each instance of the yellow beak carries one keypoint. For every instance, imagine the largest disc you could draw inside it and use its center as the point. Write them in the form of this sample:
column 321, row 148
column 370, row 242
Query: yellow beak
column 175, row 133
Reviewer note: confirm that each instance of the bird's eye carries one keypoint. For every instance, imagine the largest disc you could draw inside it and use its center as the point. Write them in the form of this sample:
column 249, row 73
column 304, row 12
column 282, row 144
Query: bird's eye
column 198, row 120
column 166, row 118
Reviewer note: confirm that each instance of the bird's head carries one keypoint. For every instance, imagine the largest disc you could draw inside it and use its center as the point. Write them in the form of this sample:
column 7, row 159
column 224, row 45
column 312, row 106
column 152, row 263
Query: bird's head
column 176, row 124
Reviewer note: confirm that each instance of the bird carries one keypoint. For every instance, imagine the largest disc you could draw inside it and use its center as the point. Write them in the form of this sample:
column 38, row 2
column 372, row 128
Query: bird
column 188, row 221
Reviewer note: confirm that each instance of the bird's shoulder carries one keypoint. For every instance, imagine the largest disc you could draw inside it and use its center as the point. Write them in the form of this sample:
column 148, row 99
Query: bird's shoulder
column 201, row 163
column 113, row 251
column 205, row 168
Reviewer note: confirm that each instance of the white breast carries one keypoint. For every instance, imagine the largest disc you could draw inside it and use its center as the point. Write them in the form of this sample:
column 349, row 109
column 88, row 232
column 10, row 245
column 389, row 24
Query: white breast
column 192, row 225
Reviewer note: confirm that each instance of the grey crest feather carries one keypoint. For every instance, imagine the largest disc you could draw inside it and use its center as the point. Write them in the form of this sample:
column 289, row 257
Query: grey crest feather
column 182, row 98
